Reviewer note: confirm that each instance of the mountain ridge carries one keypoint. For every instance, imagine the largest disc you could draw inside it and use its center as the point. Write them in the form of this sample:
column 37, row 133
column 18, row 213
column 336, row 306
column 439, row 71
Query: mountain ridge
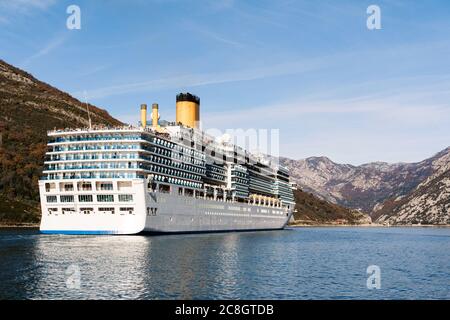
column 368, row 186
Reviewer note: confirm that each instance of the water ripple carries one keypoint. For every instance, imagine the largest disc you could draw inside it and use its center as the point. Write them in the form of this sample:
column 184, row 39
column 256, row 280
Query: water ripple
column 307, row 263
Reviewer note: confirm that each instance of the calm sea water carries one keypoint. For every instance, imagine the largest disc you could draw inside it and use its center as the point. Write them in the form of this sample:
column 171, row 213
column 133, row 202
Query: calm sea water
column 300, row 263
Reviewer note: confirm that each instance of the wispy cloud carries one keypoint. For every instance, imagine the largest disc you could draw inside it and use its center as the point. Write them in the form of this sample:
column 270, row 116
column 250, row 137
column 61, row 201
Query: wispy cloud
column 48, row 48
column 10, row 8
column 390, row 108
column 258, row 15
column 94, row 70
column 202, row 79
column 207, row 32
column 183, row 81
column 24, row 5
column 402, row 129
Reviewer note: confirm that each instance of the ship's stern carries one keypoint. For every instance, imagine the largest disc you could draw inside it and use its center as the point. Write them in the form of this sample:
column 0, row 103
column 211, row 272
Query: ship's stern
column 92, row 207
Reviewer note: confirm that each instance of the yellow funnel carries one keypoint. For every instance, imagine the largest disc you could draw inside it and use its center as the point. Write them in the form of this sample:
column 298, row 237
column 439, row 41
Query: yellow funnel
column 155, row 115
column 188, row 110
column 144, row 115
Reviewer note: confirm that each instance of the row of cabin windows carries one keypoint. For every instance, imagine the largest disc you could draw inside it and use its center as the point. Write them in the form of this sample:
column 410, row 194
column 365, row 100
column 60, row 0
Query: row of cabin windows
column 105, row 156
column 213, row 168
column 95, row 147
column 239, row 180
column 89, row 198
column 170, row 162
column 84, row 186
column 163, row 188
column 215, row 176
column 174, row 172
column 98, row 165
column 92, row 175
column 130, row 210
column 177, row 147
column 185, row 158
column 96, row 138
column 160, row 178
column 174, row 155
column 239, row 174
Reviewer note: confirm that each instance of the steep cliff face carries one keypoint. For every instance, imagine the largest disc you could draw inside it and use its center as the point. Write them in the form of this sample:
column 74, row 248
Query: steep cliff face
column 28, row 109
column 364, row 187
column 428, row 203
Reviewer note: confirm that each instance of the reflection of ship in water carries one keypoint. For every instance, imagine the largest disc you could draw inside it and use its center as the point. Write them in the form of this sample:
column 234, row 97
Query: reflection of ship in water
column 200, row 267
column 129, row 267
column 109, row 268
column 134, row 267
column 163, row 177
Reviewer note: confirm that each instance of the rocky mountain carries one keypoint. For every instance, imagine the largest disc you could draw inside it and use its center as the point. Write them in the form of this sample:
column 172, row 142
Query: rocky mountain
column 365, row 187
column 428, row 203
column 312, row 210
column 28, row 108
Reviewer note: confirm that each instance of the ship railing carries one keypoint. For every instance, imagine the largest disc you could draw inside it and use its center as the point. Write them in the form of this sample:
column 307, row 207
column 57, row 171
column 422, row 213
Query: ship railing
column 95, row 128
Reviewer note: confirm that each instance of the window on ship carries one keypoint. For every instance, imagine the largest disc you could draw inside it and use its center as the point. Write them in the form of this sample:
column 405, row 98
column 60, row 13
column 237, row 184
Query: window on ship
column 52, row 199
column 85, row 198
column 65, row 199
column 105, row 186
column 86, row 210
column 125, row 197
column 105, row 198
column 163, row 188
column 84, row 186
column 67, row 187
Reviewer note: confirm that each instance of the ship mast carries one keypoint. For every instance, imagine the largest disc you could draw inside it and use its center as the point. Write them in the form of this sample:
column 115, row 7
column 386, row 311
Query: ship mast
column 87, row 109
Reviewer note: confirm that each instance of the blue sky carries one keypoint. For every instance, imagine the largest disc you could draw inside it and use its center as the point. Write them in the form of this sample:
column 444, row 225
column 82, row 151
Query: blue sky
column 309, row 68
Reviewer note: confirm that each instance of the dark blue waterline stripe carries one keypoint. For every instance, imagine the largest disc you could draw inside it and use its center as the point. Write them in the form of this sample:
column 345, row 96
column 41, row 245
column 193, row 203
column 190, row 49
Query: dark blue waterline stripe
column 82, row 232
column 157, row 233
column 107, row 232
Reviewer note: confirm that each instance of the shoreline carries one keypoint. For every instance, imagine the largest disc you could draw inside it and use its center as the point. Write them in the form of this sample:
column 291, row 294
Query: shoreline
column 19, row 226
column 297, row 225
column 369, row 225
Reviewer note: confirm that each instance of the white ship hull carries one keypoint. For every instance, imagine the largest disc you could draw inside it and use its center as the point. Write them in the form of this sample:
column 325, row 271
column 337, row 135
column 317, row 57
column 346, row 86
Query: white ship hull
column 178, row 214
column 153, row 212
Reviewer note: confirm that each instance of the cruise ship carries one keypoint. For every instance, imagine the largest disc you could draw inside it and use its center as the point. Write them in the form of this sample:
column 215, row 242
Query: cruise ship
column 159, row 177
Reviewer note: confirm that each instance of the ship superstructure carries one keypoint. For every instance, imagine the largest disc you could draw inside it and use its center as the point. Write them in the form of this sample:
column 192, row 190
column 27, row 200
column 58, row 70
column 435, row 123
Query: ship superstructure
column 162, row 177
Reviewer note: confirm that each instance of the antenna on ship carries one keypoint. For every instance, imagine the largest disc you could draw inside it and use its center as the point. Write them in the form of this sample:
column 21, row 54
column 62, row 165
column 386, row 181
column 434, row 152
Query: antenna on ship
column 87, row 108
